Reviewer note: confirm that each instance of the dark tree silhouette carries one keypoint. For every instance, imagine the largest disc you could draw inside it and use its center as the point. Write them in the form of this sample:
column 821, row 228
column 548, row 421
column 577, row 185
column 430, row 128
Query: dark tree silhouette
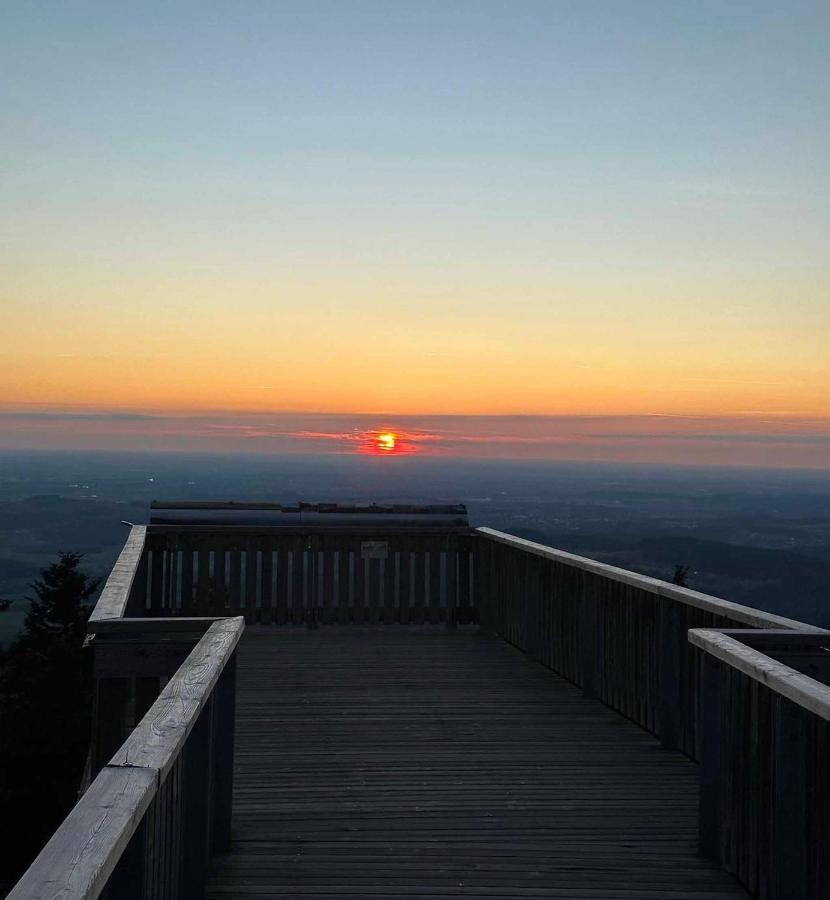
column 45, row 687
column 681, row 576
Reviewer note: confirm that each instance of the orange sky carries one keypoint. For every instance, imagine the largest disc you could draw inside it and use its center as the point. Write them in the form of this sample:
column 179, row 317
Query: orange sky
column 457, row 211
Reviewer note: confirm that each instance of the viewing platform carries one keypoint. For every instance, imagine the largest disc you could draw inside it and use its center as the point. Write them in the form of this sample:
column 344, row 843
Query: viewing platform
column 328, row 701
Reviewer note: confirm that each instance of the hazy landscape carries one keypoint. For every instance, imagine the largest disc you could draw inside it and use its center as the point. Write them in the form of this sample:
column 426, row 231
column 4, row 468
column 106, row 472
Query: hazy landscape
column 759, row 537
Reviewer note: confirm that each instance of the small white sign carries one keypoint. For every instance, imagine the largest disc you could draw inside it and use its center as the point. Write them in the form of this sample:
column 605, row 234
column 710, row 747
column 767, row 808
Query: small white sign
column 374, row 549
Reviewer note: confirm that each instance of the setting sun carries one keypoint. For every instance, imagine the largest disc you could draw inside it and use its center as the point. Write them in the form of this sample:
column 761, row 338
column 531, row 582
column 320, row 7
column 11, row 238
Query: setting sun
column 387, row 441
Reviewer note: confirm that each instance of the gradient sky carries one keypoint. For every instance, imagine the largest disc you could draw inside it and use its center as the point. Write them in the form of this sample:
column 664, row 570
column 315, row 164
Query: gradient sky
column 476, row 208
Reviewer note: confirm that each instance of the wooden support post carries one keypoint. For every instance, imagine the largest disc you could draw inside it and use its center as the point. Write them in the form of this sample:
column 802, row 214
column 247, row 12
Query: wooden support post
column 789, row 802
column 137, row 600
column 452, row 581
column 195, row 835
column 532, row 601
column 112, row 697
column 710, row 818
column 225, row 713
column 589, row 648
column 483, row 567
column 672, row 637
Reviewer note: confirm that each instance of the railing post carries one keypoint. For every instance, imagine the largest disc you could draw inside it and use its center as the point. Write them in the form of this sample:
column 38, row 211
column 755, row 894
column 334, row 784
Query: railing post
column 789, row 802
column 225, row 713
column 109, row 719
column 710, row 820
column 532, row 603
column 196, row 832
column 483, row 567
column 589, row 648
column 671, row 651
column 452, row 581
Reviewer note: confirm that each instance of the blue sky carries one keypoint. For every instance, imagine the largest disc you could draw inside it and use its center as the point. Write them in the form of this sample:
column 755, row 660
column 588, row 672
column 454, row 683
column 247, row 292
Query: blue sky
column 551, row 208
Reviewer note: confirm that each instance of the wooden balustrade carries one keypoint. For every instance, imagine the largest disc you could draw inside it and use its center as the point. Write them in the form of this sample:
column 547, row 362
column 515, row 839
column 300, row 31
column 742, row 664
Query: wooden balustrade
column 619, row 635
column 744, row 694
column 765, row 778
column 295, row 575
column 149, row 821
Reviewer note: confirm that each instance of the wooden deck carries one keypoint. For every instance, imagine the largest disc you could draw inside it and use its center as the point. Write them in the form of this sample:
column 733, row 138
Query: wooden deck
column 397, row 762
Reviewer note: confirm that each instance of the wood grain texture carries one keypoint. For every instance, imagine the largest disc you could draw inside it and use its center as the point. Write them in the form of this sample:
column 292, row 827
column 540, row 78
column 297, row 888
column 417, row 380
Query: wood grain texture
column 83, row 852
column 159, row 737
column 115, row 596
column 412, row 762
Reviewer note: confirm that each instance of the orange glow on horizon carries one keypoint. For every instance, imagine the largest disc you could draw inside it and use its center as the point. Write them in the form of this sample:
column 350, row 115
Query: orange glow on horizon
column 389, row 443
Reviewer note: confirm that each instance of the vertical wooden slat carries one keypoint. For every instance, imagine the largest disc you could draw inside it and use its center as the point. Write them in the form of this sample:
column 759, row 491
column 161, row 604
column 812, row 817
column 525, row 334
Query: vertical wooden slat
column 202, row 547
column 266, row 612
column 404, row 563
column 328, row 581
column 343, row 585
column 224, row 711
column 390, row 611
column 196, row 809
column 156, row 570
column 282, row 583
column 463, row 612
column 711, row 760
column 790, row 808
column 373, row 589
column 451, row 584
column 436, row 612
column 419, row 584
column 251, row 570
column 358, row 583
column 220, row 546
column 186, row 563
column 235, row 578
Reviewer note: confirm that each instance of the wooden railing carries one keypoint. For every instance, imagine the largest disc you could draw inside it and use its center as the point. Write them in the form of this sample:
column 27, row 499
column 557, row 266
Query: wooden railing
column 765, row 759
column 158, row 788
column 742, row 691
column 619, row 635
column 744, row 695
column 152, row 816
column 298, row 574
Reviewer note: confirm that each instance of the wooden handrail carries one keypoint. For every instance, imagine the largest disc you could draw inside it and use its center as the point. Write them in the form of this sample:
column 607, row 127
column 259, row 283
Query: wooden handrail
column 764, row 790
column 781, row 679
column 103, row 831
column 115, row 597
column 753, row 617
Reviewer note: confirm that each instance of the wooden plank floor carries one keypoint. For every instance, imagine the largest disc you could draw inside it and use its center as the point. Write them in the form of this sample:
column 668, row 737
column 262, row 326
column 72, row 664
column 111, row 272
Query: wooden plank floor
column 395, row 762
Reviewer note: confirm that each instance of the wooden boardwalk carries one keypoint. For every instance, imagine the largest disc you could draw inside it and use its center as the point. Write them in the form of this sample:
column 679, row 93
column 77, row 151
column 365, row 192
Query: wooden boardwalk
column 396, row 762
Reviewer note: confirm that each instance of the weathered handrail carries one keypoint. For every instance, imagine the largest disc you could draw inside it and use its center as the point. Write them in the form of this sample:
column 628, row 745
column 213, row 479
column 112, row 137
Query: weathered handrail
column 617, row 634
column 151, row 817
column 123, row 580
column 765, row 784
column 755, row 618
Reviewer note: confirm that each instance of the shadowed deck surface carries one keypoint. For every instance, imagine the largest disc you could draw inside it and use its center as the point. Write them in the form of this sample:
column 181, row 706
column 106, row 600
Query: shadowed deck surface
column 396, row 762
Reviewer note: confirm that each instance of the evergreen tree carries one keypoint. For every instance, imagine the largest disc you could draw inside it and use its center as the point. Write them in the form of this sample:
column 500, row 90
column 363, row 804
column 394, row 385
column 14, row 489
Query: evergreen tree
column 45, row 689
column 681, row 576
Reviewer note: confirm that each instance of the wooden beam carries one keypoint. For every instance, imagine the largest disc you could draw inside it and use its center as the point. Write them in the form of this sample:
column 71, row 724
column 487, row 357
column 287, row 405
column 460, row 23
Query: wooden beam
column 812, row 695
column 112, row 604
